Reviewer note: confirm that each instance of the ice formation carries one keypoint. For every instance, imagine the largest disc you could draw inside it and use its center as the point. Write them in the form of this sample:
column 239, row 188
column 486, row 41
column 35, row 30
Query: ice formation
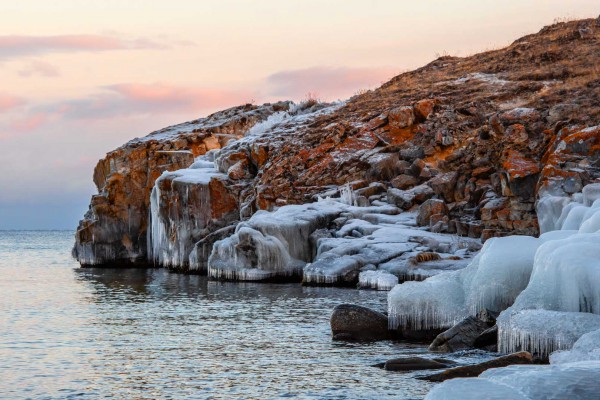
column 555, row 272
column 271, row 244
column 329, row 242
column 586, row 348
column 380, row 280
column 562, row 300
column 179, row 218
column 492, row 281
column 574, row 381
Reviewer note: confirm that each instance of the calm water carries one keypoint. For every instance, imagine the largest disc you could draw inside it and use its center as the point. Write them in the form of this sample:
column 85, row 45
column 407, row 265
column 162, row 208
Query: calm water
column 67, row 332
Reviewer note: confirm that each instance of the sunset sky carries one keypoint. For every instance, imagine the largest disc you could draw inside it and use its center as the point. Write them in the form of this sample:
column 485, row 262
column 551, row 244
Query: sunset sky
column 81, row 77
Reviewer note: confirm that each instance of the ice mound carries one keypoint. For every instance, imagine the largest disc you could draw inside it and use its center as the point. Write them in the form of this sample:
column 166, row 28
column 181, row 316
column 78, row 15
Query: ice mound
column 492, row 281
column 474, row 389
column 586, row 348
column 272, row 244
column 573, row 381
column 562, row 299
column 553, row 382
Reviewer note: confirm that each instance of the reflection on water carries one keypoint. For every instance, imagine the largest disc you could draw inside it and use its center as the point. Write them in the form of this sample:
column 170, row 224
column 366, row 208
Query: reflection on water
column 131, row 333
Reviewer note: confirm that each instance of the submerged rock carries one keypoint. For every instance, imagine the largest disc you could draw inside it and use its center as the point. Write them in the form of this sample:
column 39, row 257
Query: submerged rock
column 522, row 357
column 414, row 364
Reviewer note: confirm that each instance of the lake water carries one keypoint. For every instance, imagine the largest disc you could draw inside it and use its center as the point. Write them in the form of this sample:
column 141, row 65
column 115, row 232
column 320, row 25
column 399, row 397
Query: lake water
column 67, row 332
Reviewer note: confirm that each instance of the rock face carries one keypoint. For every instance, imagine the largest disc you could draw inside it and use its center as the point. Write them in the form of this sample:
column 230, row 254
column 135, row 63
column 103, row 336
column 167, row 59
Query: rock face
column 114, row 230
column 352, row 322
column 484, row 135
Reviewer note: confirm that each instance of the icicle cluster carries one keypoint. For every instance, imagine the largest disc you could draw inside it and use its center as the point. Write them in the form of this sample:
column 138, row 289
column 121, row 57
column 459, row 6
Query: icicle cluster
column 379, row 280
column 556, row 272
column 179, row 216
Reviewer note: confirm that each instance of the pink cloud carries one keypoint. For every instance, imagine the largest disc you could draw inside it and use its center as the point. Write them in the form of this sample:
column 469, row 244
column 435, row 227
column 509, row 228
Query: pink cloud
column 8, row 102
column 178, row 98
column 40, row 68
column 119, row 103
column 14, row 46
column 29, row 122
column 327, row 82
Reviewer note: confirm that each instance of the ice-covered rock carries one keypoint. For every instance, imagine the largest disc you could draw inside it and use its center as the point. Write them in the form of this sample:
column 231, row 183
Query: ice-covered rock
column 379, row 280
column 114, row 230
column 272, row 244
column 185, row 206
column 553, row 273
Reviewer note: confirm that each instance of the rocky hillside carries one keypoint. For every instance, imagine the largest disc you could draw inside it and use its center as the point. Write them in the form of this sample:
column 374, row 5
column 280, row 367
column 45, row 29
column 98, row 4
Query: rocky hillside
column 483, row 135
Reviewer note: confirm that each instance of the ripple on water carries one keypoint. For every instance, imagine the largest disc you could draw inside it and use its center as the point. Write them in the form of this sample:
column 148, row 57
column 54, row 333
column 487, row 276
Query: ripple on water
column 132, row 333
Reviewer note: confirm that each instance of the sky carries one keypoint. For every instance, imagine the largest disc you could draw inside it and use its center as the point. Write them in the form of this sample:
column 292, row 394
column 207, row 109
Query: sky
column 82, row 77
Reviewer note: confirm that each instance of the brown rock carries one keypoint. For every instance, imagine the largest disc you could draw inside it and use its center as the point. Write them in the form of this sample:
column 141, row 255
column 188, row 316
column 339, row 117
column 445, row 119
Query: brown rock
column 470, row 371
column 413, row 364
column 428, row 209
column 401, row 117
column 404, row 182
column 424, row 108
column 443, row 185
column 352, row 322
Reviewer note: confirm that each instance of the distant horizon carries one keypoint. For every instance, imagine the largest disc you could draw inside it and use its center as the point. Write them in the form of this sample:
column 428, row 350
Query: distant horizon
column 82, row 79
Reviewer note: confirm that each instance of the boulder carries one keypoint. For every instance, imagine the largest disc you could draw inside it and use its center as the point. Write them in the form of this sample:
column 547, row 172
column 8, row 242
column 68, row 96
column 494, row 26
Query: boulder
column 474, row 370
column 424, row 108
column 461, row 336
column 428, row 208
column 404, row 182
column 352, row 322
column 488, row 339
column 401, row 117
column 400, row 198
column 443, row 185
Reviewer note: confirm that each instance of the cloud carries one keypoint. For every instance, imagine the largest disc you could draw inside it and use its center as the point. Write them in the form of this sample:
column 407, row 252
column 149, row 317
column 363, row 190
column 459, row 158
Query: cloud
column 326, row 82
column 40, row 68
column 130, row 99
column 17, row 46
column 8, row 102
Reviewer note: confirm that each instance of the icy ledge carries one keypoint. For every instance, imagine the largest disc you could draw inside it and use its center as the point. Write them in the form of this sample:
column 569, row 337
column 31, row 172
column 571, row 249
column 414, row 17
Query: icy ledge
column 332, row 242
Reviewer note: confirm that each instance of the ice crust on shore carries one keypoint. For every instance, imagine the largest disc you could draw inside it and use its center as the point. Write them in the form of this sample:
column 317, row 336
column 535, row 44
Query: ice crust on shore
column 331, row 242
column 573, row 381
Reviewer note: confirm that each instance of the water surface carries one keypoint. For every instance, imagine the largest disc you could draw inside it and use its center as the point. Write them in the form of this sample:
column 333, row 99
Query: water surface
column 67, row 332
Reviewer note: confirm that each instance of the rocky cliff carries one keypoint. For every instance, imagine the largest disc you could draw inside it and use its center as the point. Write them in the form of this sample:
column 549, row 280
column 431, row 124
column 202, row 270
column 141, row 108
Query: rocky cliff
column 468, row 142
